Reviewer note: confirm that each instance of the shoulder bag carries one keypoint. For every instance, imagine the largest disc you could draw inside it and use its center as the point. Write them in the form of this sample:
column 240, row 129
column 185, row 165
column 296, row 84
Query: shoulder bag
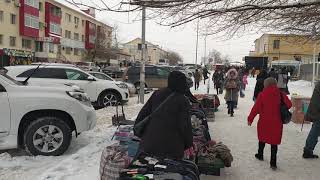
column 139, row 128
column 286, row 115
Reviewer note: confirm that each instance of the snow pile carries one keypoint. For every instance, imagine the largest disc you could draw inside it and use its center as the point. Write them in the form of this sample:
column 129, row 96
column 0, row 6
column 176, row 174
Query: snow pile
column 81, row 161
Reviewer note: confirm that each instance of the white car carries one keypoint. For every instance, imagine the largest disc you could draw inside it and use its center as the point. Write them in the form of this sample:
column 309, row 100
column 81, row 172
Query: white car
column 102, row 93
column 41, row 119
column 103, row 76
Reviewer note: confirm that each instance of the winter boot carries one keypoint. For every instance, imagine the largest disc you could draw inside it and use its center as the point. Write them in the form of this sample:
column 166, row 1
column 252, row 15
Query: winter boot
column 273, row 163
column 273, row 160
column 309, row 155
column 229, row 111
column 231, row 114
column 259, row 156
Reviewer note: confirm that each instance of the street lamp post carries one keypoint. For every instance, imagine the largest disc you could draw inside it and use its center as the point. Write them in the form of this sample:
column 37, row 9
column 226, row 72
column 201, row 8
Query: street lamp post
column 143, row 56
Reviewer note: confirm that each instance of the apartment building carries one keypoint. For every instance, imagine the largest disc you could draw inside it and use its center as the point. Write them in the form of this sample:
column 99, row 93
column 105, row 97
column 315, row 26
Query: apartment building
column 154, row 53
column 47, row 30
column 285, row 47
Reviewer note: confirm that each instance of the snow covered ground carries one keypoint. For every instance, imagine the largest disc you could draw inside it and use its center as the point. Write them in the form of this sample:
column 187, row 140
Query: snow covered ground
column 81, row 161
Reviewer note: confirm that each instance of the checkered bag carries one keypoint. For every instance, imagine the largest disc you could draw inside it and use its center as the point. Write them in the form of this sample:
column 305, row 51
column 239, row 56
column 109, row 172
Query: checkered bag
column 114, row 158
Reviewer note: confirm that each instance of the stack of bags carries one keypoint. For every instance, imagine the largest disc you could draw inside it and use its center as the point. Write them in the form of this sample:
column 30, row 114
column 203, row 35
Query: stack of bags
column 118, row 156
column 146, row 167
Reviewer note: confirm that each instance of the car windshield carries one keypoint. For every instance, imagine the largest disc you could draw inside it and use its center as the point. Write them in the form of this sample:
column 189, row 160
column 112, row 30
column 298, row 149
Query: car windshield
column 3, row 72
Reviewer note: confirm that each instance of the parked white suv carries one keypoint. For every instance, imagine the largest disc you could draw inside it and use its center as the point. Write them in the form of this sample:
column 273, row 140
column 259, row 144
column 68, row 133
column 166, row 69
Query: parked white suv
column 102, row 93
column 41, row 119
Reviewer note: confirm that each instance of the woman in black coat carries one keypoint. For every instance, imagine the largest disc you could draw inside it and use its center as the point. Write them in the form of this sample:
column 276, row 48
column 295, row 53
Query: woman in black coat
column 169, row 132
column 259, row 84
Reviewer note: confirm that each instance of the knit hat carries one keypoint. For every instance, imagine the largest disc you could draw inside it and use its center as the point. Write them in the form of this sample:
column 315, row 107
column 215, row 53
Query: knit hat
column 269, row 82
column 177, row 82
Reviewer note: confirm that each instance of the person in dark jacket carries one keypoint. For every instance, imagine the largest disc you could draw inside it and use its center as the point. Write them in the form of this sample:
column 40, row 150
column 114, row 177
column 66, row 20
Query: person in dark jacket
column 259, row 84
column 169, row 132
column 218, row 80
column 273, row 73
column 313, row 115
column 197, row 78
column 205, row 74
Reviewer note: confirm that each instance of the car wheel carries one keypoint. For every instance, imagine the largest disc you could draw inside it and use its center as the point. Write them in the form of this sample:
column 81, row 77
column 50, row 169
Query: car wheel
column 47, row 136
column 108, row 99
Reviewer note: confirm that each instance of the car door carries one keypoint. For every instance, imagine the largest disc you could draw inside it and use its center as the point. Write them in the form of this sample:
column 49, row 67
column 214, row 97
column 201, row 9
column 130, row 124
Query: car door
column 80, row 79
column 4, row 112
column 162, row 77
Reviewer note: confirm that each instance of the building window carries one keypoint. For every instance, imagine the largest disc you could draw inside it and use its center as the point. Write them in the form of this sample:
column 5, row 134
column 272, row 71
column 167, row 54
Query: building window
column 67, row 34
column 39, row 46
column 51, row 47
column 276, row 44
column 1, row 39
column 40, row 6
column 108, row 45
column 13, row 19
column 68, row 17
column 12, row 41
column 1, row 16
column 109, row 34
column 82, row 38
column 76, row 51
column 76, row 20
column 92, row 39
column 68, row 50
column 32, row 3
column 82, row 23
column 55, row 28
column 275, row 58
column 31, row 21
column 26, row 43
column 55, row 11
column 76, row 36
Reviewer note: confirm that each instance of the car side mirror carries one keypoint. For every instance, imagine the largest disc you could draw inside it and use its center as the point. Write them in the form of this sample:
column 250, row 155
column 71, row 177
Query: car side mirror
column 90, row 78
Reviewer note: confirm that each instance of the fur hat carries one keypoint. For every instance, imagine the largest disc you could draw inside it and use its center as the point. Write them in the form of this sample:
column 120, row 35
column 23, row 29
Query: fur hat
column 269, row 82
column 230, row 76
column 177, row 82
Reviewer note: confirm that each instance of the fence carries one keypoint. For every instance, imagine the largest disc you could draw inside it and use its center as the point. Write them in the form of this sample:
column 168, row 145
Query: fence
column 306, row 72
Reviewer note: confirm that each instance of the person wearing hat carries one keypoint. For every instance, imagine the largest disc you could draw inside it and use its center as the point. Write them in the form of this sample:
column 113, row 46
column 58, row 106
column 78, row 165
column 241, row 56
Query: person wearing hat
column 169, row 132
column 270, row 125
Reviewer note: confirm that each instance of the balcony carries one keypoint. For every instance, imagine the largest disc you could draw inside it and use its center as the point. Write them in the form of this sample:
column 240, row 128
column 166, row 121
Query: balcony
column 72, row 43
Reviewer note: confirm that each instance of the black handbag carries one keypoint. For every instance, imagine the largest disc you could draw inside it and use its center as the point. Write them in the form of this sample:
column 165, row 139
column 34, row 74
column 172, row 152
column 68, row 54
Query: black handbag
column 286, row 115
column 139, row 127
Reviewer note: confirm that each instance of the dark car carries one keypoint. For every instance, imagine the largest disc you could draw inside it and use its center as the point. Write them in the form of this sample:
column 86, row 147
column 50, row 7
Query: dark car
column 155, row 76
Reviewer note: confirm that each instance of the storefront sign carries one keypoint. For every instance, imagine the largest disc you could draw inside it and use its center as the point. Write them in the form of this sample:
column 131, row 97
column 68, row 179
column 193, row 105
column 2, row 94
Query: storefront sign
column 55, row 40
column 18, row 53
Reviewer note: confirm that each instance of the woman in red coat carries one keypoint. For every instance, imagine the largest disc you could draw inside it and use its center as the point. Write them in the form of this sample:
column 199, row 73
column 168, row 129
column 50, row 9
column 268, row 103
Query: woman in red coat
column 269, row 125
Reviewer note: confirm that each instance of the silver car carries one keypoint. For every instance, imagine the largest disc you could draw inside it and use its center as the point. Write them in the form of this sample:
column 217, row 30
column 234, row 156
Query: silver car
column 103, row 76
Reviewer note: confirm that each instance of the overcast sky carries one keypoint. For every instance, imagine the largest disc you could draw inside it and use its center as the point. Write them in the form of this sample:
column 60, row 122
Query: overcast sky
column 180, row 39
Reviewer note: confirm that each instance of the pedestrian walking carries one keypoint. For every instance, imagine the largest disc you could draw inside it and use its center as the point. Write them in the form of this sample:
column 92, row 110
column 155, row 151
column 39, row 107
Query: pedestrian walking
column 168, row 109
column 283, row 80
column 253, row 72
column 270, row 125
column 245, row 81
column 218, row 79
column 260, row 83
column 232, row 86
column 205, row 74
column 197, row 79
column 273, row 73
column 313, row 115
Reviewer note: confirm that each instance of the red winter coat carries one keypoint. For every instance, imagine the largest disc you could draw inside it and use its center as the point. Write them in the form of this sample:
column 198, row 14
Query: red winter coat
column 268, row 107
